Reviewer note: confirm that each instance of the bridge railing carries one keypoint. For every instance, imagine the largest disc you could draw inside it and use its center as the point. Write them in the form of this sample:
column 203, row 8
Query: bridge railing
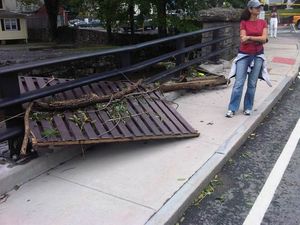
column 11, row 100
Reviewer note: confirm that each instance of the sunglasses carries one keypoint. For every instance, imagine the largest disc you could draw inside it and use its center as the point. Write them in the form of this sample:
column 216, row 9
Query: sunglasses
column 258, row 7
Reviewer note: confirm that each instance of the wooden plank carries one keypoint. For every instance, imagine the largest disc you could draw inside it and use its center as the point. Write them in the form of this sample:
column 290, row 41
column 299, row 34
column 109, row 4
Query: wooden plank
column 58, row 121
column 41, row 82
column 89, row 130
column 170, row 115
column 77, row 133
column 58, row 96
column 100, row 129
column 62, row 128
column 73, row 128
column 166, row 117
column 154, row 104
column 22, row 85
column 135, row 124
column 111, row 127
column 184, row 123
column 61, row 122
column 107, row 140
column 126, row 132
column 156, row 122
column 154, row 117
column 46, row 125
column 143, row 120
column 36, row 129
column 29, row 84
column 121, row 126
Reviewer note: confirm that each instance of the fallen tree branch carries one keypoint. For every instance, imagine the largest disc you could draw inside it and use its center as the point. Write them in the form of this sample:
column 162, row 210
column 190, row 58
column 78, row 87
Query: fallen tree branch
column 194, row 85
column 26, row 129
column 84, row 101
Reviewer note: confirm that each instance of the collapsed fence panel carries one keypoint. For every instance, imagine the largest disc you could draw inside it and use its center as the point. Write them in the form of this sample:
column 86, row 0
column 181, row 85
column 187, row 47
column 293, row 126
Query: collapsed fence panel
column 140, row 115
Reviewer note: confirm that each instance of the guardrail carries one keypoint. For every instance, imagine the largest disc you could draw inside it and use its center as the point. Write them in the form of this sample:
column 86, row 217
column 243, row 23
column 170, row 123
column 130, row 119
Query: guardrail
column 12, row 102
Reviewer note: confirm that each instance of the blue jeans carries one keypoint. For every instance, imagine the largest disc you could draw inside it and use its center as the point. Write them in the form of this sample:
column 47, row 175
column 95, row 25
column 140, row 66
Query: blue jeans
column 241, row 75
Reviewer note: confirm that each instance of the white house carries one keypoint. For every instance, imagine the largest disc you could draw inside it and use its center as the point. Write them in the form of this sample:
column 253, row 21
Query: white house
column 276, row 2
column 12, row 24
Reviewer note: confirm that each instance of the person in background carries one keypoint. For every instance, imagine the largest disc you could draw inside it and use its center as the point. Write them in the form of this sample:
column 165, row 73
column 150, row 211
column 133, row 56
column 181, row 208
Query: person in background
column 274, row 22
column 250, row 61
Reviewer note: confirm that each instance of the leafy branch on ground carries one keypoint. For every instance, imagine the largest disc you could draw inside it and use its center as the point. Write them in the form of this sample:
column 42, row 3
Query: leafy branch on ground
column 209, row 190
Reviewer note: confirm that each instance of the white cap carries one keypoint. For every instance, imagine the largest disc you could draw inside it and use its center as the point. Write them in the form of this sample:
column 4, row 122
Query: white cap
column 254, row 4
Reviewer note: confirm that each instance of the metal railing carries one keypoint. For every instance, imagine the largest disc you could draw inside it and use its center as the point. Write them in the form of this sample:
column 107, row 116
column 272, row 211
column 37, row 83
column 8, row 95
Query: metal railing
column 12, row 101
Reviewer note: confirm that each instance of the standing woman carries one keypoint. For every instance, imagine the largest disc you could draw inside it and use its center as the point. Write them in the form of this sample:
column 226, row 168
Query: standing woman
column 250, row 60
column 273, row 23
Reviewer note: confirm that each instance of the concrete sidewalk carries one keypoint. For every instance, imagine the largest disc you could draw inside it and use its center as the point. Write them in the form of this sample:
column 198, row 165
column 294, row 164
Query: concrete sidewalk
column 144, row 183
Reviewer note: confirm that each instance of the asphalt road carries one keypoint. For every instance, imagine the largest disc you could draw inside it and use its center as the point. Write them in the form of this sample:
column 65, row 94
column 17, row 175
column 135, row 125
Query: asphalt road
column 230, row 196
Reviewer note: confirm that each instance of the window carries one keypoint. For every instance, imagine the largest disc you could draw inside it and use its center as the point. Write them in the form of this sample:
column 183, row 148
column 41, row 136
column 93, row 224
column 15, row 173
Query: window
column 1, row 4
column 11, row 24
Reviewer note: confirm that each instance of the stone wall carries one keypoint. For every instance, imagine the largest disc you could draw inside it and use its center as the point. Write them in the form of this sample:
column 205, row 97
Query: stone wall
column 219, row 17
column 38, row 35
column 232, row 43
column 88, row 36
column 92, row 37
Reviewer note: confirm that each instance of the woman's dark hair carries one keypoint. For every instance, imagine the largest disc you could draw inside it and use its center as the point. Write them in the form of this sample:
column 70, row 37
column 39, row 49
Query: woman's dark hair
column 245, row 14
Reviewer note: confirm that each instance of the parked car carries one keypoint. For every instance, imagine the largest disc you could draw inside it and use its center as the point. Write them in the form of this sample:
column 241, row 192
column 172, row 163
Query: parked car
column 85, row 23
column 148, row 25
column 95, row 23
column 296, row 21
column 73, row 22
column 80, row 23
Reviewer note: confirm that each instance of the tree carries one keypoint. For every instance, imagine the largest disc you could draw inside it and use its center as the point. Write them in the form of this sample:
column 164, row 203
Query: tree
column 109, row 11
column 52, row 7
column 161, row 13
column 131, row 13
column 112, row 12
column 29, row 2
column 77, row 7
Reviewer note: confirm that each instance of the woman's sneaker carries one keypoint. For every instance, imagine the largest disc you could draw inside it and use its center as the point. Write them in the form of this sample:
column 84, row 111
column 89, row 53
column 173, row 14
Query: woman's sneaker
column 247, row 112
column 229, row 114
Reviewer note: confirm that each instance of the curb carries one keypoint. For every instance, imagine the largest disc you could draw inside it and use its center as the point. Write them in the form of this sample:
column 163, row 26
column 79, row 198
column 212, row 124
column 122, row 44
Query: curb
column 172, row 210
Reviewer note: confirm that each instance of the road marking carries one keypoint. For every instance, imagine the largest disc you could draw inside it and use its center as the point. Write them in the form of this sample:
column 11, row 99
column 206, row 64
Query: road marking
column 266, row 195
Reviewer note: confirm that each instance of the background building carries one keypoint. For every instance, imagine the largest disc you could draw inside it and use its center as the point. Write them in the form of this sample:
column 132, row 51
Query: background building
column 13, row 24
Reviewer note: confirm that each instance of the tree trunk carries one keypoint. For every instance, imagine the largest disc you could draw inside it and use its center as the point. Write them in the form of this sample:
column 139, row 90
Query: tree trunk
column 109, row 30
column 196, row 84
column 131, row 17
column 86, row 100
column 162, row 18
column 52, row 7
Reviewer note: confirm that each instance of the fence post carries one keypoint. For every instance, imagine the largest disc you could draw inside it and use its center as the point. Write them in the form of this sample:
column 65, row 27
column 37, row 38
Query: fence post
column 180, row 44
column 9, row 87
column 214, row 47
column 125, row 59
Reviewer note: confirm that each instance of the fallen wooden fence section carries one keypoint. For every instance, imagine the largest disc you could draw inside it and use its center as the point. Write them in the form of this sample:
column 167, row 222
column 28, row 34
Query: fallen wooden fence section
column 141, row 115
